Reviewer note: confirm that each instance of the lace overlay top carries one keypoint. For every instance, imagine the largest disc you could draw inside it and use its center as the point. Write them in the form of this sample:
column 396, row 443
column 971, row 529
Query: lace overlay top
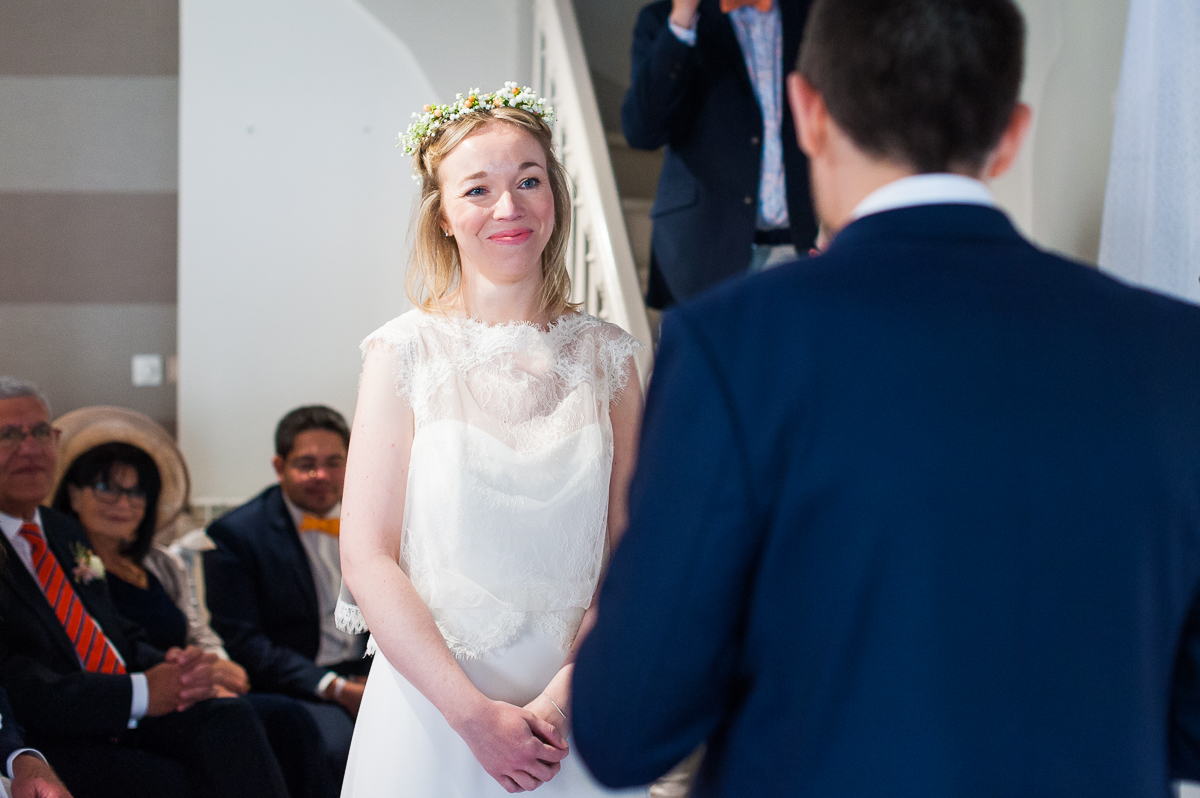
column 507, row 501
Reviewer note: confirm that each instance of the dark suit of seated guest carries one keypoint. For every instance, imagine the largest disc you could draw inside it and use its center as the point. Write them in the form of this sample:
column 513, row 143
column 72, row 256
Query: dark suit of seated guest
column 274, row 577
column 117, row 492
column 113, row 714
column 28, row 770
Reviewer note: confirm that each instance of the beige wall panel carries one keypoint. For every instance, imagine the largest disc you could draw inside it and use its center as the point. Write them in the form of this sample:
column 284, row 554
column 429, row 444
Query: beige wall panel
column 88, row 247
column 89, row 37
column 1055, row 190
column 80, row 353
column 108, row 134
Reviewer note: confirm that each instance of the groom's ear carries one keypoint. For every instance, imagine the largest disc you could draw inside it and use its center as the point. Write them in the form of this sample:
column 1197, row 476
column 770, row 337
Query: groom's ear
column 1009, row 148
column 810, row 115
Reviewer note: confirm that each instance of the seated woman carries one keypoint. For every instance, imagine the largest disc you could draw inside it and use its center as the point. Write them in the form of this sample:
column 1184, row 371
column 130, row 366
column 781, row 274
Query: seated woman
column 114, row 490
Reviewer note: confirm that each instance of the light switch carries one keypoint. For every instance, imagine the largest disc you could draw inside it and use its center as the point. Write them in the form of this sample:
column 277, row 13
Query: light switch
column 147, row 371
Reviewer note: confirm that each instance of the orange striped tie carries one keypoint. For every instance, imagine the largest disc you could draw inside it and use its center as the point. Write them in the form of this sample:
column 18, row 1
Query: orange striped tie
column 95, row 651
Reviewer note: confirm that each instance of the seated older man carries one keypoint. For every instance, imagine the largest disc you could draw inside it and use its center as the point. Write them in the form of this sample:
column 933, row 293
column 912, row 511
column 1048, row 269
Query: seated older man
column 114, row 715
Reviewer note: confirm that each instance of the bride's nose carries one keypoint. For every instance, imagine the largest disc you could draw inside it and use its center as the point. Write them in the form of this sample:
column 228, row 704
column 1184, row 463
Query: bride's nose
column 506, row 206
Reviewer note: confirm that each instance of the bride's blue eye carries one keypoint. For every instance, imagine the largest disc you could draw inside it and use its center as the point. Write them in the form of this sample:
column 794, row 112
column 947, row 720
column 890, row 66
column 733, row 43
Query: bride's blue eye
column 530, row 182
column 474, row 192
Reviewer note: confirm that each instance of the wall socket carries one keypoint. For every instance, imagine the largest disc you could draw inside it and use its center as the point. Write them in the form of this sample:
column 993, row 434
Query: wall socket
column 147, row 371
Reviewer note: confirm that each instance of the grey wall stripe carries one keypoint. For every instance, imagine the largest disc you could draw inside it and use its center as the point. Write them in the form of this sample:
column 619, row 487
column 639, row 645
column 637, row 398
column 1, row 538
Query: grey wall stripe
column 72, row 247
column 89, row 37
column 80, row 354
column 109, row 134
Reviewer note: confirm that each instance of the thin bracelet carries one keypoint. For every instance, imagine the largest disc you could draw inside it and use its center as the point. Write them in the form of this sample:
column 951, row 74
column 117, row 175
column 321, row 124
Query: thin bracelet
column 556, row 706
column 339, row 684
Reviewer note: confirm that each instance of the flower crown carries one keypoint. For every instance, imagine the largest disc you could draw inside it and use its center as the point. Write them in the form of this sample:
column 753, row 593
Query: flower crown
column 432, row 117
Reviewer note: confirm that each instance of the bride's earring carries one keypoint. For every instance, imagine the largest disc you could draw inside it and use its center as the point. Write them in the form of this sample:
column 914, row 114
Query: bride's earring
column 447, row 232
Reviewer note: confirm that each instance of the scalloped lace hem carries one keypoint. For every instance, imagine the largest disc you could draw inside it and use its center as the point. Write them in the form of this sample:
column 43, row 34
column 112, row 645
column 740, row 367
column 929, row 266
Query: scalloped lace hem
column 349, row 619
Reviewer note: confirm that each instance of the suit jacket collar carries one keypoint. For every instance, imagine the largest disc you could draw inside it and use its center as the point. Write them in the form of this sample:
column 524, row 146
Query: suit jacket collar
column 23, row 584
column 716, row 28
column 290, row 546
column 944, row 222
column 792, row 15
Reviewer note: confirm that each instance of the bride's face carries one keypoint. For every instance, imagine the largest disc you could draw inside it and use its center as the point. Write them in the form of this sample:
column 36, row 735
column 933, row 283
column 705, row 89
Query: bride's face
column 498, row 204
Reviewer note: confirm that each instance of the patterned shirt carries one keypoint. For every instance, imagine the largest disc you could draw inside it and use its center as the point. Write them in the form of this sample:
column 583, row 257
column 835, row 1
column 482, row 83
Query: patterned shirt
column 761, row 38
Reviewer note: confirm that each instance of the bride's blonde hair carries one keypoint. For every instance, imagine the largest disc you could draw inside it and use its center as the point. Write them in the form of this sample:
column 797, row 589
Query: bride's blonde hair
column 435, row 269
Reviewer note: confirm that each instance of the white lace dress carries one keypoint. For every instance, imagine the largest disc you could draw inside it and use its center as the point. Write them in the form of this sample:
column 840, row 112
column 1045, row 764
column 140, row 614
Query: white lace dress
column 504, row 530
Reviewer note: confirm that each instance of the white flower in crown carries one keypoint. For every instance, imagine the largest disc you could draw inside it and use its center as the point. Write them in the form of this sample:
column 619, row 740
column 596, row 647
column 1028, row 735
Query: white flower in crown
column 430, row 118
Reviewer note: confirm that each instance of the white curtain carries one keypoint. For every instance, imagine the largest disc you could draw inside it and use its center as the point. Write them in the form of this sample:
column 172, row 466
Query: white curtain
column 1151, row 232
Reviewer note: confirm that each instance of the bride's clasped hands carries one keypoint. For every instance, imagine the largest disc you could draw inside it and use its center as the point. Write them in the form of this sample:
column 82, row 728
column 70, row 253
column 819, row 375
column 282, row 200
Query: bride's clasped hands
column 517, row 748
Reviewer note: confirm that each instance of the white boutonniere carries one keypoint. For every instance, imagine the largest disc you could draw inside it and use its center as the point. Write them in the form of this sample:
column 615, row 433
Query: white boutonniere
column 88, row 565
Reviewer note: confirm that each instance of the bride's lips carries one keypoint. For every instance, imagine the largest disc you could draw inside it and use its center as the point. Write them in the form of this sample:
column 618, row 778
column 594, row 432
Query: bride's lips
column 515, row 236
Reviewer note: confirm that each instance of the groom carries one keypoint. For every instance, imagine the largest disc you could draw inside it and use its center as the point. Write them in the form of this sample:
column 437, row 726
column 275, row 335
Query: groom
column 919, row 517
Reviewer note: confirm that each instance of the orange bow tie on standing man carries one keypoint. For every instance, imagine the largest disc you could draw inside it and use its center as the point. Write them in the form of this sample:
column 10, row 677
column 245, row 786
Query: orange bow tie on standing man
column 330, row 526
column 732, row 5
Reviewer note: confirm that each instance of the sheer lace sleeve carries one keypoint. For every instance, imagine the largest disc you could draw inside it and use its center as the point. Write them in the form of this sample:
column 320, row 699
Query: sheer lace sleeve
column 615, row 361
column 400, row 337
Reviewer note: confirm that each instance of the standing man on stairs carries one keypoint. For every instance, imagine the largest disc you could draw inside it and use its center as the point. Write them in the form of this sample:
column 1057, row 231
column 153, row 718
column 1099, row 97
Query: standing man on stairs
column 274, row 577
column 733, row 195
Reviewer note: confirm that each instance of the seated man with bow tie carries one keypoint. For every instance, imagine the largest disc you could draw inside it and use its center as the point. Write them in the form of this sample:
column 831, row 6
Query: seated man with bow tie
column 273, row 581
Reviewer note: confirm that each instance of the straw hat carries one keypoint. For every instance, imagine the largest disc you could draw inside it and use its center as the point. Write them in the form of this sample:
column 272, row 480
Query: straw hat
column 89, row 427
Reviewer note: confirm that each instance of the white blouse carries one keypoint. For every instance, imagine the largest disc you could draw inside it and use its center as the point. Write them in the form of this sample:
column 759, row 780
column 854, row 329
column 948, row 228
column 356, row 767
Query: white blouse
column 507, row 501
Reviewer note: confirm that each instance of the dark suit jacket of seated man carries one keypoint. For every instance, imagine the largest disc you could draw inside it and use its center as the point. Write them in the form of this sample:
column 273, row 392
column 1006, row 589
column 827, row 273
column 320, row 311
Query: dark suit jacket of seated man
column 25, row 767
column 81, row 720
column 698, row 102
column 919, row 516
column 263, row 599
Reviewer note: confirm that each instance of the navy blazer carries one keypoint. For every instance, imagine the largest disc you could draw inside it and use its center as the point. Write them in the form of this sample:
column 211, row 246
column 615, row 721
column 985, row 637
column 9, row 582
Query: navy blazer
column 917, row 517
column 699, row 103
column 55, row 697
column 262, row 597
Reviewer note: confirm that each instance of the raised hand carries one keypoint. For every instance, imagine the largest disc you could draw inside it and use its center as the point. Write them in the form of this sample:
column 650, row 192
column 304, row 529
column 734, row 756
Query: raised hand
column 516, row 747
column 683, row 13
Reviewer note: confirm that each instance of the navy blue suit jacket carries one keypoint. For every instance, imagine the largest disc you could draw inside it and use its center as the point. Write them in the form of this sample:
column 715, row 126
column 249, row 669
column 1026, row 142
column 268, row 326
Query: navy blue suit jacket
column 918, row 517
column 56, row 698
column 699, row 102
column 262, row 597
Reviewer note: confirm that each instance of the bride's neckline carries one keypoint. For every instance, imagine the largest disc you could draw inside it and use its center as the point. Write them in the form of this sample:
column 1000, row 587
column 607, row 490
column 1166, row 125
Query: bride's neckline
column 475, row 322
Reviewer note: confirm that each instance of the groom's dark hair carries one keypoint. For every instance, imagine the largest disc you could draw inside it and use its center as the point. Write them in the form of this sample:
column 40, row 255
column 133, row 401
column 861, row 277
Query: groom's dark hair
column 930, row 84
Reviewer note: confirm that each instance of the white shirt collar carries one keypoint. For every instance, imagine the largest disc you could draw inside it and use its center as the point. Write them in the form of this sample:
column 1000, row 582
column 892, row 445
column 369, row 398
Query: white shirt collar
column 928, row 189
column 11, row 526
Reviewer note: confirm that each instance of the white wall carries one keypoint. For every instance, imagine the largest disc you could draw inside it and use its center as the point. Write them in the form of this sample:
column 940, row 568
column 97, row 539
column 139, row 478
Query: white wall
column 294, row 201
column 1055, row 191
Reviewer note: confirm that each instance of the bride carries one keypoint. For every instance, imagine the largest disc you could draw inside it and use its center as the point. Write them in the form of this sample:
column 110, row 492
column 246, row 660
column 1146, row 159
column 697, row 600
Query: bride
column 492, row 447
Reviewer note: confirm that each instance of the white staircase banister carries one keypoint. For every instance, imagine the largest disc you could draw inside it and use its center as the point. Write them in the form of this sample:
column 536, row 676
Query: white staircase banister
column 561, row 75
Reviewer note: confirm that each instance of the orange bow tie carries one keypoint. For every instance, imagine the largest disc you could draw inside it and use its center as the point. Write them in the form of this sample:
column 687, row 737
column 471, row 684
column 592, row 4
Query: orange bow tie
column 330, row 526
column 732, row 5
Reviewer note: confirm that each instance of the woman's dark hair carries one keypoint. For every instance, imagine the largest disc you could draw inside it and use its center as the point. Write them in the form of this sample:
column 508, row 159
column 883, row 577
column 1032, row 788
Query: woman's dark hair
column 98, row 465
column 931, row 84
